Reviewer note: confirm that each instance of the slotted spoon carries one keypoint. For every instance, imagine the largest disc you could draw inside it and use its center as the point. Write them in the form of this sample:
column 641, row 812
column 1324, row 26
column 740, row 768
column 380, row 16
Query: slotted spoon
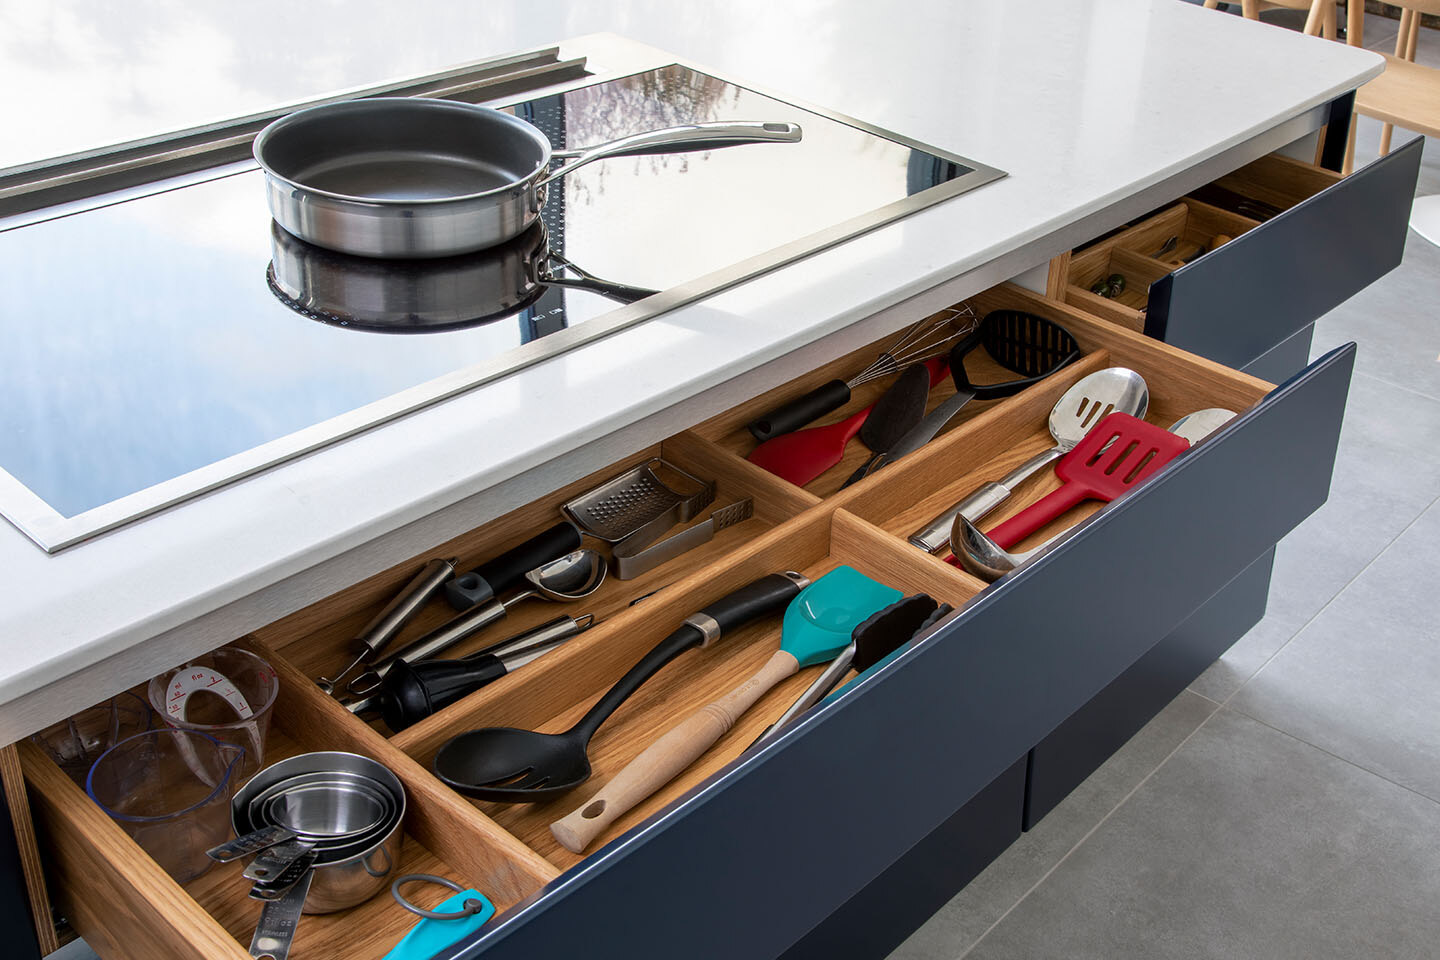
column 1089, row 401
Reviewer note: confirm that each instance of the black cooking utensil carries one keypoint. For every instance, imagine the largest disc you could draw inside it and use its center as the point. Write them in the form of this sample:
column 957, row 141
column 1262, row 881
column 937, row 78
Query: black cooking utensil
column 875, row 638
column 523, row 766
column 411, row 692
column 895, row 414
column 926, row 340
column 1019, row 341
column 892, row 628
column 508, row 569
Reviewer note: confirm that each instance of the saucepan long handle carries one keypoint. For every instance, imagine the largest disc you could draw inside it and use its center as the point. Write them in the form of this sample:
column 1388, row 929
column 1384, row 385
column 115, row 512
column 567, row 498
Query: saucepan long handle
column 681, row 139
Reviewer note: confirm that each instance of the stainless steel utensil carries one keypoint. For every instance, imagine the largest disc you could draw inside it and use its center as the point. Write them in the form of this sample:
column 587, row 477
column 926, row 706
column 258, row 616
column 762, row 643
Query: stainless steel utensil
column 395, row 697
column 1200, row 424
column 411, row 693
column 250, row 843
column 342, row 875
column 631, row 562
column 572, row 577
column 1089, row 401
column 1168, row 247
column 328, row 809
column 926, row 340
column 378, row 633
column 986, row 559
column 258, row 811
column 415, row 177
column 640, row 504
column 1033, row 346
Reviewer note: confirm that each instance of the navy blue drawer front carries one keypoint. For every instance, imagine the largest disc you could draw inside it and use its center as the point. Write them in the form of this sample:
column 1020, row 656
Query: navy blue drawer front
column 1077, row 747
column 1237, row 302
column 755, row 858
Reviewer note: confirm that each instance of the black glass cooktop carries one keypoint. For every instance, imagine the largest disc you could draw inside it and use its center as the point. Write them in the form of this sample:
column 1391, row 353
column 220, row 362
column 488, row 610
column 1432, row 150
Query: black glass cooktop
column 158, row 347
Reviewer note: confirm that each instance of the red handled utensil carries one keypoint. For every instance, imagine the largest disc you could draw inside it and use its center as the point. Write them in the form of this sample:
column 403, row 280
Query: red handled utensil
column 802, row 456
column 1118, row 454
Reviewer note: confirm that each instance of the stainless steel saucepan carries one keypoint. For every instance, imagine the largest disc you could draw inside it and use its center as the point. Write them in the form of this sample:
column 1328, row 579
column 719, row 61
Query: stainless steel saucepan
column 406, row 177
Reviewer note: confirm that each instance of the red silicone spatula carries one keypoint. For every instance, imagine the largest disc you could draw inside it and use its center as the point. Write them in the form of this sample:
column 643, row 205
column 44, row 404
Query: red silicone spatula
column 805, row 454
column 1119, row 453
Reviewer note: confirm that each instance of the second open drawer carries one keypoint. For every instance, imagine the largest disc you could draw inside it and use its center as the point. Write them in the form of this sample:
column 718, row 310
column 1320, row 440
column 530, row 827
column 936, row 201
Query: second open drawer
column 1303, row 240
column 817, row 814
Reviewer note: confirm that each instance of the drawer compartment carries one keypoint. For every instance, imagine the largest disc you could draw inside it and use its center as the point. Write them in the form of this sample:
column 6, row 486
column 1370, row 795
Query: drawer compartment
column 844, row 795
column 126, row 906
column 1322, row 239
column 1146, row 252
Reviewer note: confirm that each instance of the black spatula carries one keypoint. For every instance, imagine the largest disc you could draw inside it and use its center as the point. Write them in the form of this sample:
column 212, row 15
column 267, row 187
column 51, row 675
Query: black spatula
column 894, row 415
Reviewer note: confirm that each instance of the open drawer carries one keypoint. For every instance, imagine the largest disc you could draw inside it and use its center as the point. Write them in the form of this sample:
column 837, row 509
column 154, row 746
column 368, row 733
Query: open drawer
column 810, row 819
column 1259, row 254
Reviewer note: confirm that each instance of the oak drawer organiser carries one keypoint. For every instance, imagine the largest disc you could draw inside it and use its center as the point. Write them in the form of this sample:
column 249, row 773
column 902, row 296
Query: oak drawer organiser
column 816, row 814
column 1333, row 237
column 1138, row 254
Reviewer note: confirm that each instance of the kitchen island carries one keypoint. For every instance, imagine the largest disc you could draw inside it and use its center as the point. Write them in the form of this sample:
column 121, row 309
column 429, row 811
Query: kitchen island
column 1096, row 118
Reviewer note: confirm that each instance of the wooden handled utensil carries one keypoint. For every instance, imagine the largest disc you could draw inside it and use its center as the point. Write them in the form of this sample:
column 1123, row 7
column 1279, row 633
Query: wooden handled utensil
column 817, row 626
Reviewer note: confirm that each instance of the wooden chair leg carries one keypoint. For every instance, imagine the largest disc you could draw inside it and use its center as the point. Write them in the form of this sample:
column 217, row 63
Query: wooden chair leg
column 1348, row 166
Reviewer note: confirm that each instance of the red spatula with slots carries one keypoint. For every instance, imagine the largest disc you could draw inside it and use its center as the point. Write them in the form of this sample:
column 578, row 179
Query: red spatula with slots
column 1119, row 453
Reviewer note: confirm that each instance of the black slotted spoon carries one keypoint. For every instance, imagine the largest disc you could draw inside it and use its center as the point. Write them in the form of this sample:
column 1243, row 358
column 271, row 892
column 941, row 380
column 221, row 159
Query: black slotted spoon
column 511, row 765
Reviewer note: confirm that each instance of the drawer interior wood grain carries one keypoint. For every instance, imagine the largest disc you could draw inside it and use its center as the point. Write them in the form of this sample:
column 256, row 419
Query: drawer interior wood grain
column 507, row 850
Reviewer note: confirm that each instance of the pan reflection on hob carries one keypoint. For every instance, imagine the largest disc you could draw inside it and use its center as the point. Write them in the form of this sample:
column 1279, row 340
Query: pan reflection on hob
column 426, row 296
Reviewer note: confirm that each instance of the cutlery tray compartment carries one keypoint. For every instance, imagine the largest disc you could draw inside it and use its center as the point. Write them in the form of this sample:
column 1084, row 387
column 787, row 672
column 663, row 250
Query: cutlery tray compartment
column 126, row 906
column 1307, row 240
column 803, row 813
column 1144, row 253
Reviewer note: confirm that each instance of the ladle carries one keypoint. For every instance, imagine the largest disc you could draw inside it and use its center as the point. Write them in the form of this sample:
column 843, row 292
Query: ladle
column 1089, row 401
column 986, row 559
column 572, row 577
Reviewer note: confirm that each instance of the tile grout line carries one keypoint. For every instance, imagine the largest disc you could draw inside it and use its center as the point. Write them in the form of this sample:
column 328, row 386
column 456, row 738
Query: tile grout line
column 1316, row 615
column 1345, row 760
column 1399, row 386
column 1100, row 823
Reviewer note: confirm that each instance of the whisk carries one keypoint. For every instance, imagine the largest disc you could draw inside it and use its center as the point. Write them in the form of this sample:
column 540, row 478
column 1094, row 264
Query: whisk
column 930, row 337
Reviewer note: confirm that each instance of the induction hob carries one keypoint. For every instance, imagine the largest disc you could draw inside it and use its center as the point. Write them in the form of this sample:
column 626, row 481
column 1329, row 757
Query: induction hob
column 161, row 346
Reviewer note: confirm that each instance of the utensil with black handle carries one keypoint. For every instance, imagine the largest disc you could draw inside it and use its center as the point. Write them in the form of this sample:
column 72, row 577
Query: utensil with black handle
column 572, row 577
column 508, row 569
column 895, row 414
column 510, row 765
column 925, row 340
column 1028, row 344
column 413, row 691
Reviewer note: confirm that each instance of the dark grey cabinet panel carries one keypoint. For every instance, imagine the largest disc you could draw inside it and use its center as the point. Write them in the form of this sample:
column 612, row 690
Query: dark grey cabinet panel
column 1076, row 748
column 762, row 853
column 1236, row 303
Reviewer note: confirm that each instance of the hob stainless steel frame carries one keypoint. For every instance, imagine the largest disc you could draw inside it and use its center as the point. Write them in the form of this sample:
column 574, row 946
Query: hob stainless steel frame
column 97, row 178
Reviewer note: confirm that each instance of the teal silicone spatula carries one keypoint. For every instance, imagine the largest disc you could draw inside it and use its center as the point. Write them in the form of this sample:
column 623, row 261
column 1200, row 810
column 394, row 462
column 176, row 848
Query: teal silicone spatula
column 817, row 626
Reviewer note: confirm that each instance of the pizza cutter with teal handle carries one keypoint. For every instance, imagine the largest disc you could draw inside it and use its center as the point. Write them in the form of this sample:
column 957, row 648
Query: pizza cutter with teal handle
column 816, row 627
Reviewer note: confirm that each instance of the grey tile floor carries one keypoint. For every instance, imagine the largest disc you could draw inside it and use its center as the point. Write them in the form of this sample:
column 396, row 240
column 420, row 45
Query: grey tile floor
column 1288, row 803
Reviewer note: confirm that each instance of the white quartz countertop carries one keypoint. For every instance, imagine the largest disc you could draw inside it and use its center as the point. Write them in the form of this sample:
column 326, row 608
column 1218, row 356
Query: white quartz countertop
column 1083, row 103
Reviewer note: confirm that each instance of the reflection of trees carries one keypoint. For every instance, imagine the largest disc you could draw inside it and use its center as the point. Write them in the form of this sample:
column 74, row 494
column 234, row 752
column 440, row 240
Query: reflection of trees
column 660, row 98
